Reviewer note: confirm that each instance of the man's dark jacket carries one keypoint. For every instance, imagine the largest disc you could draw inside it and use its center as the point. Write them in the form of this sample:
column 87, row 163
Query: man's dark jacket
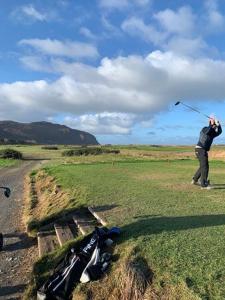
column 207, row 135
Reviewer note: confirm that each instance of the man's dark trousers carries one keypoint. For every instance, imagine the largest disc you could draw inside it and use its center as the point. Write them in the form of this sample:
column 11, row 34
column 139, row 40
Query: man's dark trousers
column 203, row 170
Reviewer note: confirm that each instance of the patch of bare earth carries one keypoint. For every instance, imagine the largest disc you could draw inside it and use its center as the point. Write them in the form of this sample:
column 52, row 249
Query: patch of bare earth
column 213, row 154
column 154, row 155
column 217, row 154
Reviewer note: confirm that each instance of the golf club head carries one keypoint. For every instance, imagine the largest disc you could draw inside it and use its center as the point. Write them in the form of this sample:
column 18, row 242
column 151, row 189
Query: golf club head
column 7, row 192
column 178, row 102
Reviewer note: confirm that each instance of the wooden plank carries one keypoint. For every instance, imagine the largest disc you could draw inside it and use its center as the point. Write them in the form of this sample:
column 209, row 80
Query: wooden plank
column 47, row 242
column 63, row 233
column 97, row 213
column 84, row 224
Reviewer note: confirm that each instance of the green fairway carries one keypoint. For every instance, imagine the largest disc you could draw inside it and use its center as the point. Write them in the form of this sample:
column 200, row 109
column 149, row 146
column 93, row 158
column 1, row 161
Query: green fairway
column 177, row 227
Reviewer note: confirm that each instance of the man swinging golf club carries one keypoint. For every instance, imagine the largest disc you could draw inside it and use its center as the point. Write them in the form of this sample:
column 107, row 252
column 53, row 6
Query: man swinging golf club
column 207, row 135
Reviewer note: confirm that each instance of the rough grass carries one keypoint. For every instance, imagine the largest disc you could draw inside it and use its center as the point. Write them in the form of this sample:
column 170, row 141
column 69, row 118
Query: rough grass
column 47, row 202
column 128, row 280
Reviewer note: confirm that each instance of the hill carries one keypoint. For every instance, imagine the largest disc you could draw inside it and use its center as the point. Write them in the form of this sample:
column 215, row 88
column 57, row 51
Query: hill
column 45, row 133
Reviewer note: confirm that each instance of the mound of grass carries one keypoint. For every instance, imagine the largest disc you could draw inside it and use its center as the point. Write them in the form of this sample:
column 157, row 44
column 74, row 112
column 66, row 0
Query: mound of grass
column 48, row 202
column 33, row 193
column 88, row 151
column 10, row 154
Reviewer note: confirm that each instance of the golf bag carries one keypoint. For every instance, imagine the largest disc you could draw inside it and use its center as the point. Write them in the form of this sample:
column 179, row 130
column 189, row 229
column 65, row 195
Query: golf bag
column 1, row 241
column 7, row 193
column 84, row 262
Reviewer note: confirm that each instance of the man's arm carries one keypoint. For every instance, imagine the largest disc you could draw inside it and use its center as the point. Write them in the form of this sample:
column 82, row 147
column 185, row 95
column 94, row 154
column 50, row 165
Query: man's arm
column 208, row 130
column 218, row 128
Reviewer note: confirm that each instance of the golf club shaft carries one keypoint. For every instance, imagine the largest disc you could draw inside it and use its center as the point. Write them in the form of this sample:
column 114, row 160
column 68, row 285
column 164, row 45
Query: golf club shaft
column 208, row 117
column 194, row 110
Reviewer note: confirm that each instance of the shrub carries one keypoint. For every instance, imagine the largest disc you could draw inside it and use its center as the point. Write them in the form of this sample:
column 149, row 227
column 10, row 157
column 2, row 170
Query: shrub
column 88, row 151
column 50, row 148
column 10, row 153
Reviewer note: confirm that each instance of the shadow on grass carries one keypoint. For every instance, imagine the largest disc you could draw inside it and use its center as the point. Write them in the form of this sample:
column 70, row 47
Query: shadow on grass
column 36, row 158
column 34, row 225
column 23, row 242
column 155, row 225
column 218, row 186
column 104, row 207
column 64, row 215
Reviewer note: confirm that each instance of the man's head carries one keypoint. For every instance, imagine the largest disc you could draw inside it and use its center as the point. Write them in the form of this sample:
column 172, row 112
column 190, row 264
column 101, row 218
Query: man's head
column 212, row 121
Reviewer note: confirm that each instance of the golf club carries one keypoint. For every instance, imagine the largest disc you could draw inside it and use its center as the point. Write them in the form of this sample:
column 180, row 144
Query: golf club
column 179, row 102
column 7, row 191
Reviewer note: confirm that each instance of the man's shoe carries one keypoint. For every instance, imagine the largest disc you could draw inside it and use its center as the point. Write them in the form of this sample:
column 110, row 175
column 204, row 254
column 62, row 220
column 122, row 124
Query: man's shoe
column 195, row 182
column 207, row 187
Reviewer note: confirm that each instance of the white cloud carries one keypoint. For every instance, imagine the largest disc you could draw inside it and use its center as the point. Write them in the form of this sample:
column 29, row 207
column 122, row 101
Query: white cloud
column 30, row 13
column 180, row 22
column 114, row 4
column 70, row 49
column 36, row 63
column 186, row 46
column 111, row 29
column 211, row 4
column 137, row 27
column 142, row 2
column 120, row 91
column 103, row 123
column 214, row 18
column 175, row 31
column 87, row 33
column 168, row 26
column 63, row 3
column 122, row 4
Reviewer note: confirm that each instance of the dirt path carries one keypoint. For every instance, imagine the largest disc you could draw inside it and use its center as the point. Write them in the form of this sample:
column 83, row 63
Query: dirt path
column 19, row 251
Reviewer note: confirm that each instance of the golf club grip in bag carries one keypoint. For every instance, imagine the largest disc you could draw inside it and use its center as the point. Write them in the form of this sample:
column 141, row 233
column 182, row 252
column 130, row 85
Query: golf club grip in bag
column 81, row 264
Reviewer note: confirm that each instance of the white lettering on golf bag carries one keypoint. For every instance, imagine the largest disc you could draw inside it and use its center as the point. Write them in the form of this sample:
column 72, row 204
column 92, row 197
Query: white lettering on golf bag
column 89, row 245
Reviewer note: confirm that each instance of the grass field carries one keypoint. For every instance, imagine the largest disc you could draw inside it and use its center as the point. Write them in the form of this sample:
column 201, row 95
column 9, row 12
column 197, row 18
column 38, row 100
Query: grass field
column 176, row 227
column 36, row 152
column 7, row 163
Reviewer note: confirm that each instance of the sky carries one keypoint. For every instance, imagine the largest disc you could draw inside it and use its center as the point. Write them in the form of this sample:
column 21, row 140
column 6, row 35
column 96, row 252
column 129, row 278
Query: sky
column 114, row 68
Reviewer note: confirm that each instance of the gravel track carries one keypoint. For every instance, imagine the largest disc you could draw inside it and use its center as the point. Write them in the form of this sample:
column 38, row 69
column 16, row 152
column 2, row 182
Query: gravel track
column 19, row 251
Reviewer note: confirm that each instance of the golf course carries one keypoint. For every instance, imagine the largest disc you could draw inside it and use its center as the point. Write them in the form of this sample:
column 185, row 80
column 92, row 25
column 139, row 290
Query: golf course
column 112, row 150
column 172, row 232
